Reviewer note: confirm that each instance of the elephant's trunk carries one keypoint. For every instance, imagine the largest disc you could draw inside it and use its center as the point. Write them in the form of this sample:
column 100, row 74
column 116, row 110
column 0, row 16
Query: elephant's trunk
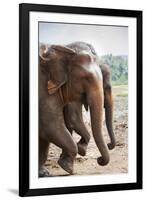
column 109, row 116
column 95, row 101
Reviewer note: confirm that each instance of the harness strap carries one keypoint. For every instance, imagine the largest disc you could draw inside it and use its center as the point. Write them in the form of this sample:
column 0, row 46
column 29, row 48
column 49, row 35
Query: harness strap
column 64, row 94
column 61, row 96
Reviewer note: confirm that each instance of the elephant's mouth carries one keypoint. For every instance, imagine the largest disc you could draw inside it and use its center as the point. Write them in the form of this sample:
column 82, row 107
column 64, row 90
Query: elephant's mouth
column 84, row 102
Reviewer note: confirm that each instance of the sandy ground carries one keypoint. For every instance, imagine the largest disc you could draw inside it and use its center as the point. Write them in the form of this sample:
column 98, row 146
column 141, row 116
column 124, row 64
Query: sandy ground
column 88, row 164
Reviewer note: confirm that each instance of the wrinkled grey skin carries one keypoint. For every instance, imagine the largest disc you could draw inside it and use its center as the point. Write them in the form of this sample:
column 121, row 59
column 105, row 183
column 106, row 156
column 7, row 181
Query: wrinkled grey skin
column 79, row 78
column 73, row 111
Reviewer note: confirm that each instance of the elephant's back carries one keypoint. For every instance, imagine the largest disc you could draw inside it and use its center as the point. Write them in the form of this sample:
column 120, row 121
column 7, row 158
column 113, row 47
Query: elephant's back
column 82, row 46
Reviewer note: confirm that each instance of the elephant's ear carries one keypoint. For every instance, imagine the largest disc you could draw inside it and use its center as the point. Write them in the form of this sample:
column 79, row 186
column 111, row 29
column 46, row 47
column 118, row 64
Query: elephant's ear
column 53, row 86
column 46, row 53
column 59, row 76
column 55, row 56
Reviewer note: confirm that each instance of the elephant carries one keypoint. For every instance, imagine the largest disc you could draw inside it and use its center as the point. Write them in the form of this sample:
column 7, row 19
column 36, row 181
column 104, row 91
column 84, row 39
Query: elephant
column 65, row 76
column 74, row 119
column 73, row 111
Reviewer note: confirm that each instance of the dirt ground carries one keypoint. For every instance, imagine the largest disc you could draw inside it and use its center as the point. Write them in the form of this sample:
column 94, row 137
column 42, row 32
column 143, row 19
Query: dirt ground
column 88, row 164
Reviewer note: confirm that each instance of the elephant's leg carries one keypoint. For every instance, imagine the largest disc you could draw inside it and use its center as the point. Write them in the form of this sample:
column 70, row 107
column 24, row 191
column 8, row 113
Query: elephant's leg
column 63, row 139
column 43, row 153
column 74, row 121
column 85, row 137
column 67, row 117
column 81, row 130
column 108, row 103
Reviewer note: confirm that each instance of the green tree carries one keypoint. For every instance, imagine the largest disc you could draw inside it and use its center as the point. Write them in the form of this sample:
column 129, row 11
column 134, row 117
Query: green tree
column 119, row 67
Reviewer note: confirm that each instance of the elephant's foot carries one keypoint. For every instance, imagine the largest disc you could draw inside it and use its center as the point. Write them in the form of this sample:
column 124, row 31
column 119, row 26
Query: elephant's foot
column 66, row 163
column 82, row 148
column 43, row 172
column 111, row 145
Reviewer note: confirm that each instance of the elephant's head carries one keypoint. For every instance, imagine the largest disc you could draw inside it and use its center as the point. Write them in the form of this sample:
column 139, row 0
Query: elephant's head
column 79, row 73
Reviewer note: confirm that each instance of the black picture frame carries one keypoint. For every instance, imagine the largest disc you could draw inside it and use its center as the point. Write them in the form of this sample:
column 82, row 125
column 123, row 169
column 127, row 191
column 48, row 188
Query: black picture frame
column 24, row 10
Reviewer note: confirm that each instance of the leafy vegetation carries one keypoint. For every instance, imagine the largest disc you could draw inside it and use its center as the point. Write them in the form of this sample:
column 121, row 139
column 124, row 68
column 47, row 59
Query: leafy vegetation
column 119, row 68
